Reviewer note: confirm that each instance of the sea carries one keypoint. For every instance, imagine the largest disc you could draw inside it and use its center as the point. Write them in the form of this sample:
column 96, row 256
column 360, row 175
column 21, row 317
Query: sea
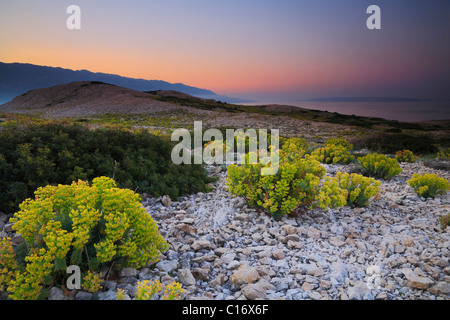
column 407, row 111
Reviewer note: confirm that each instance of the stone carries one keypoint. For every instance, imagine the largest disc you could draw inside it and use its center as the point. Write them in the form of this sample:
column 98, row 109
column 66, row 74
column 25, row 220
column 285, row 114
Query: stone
column 228, row 257
column 188, row 221
column 292, row 237
column 110, row 295
column 201, row 273
column 202, row 244
column 17, row 239
column 439, row 288
column 294, row 244
column 357, row 292
column 110, row 285
column 316, row 272
column 313, row 233
column 244, row 275
column 8, row 227
column 338, row 271
column 166, row 201
column 314, row 295
column 325, row 284
column 289, row 229
column 56, row 293
column 128, row 272
column 381, row 296
column 415, row 281
column 306, row 286
column 185, row 277
column 234, row 265
column 257, row 290
column 218, row 281
column 83, row 295
column 167, row 266
column 337, row 241
column 3, row 217
column 278, row 254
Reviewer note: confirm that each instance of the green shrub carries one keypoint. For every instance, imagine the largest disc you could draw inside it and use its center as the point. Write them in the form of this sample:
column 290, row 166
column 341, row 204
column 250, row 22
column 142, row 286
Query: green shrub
column 445, row 221
column 85, row 226
column 361, row 190
column 33, row 156
column 444, row 154
column 332, row 154
column 294, row 147
column 428, row 185
column 405, row 156
column 390, row 143
column 379, row 166
column 339, row 142
column 297, row 184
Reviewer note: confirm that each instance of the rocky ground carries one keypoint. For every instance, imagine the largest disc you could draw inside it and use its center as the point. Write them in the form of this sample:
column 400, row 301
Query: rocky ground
column 222, row 249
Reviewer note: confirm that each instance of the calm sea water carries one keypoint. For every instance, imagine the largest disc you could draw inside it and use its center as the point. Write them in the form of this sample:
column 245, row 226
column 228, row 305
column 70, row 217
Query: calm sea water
column 401, row 111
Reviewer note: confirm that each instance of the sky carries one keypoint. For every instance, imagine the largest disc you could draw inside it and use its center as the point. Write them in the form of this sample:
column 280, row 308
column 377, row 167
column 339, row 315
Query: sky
column 263, row 49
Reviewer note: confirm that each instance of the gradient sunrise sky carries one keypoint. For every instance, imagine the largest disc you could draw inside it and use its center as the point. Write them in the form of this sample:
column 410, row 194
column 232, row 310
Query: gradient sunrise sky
column 283, row 49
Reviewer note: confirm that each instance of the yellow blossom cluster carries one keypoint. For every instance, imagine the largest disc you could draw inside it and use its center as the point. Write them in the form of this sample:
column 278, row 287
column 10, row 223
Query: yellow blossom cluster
column 83, row 224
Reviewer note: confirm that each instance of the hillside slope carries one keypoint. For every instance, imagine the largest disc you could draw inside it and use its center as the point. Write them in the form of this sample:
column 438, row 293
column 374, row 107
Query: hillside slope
column 85, row 98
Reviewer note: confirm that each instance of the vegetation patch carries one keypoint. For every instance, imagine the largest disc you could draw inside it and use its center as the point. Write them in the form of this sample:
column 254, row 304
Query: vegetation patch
column 36, row 155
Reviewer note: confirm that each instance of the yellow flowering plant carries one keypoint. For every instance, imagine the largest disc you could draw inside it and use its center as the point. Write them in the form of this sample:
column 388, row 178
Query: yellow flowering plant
column 92, row 282
column 360, row 190
column 444, row 154
column 379, row 166
column 173, row 291
column 428, row 185
column 147, row 289
column 405, row 156
column 339, row 142
column 332, row 154
column 82, row 224
column 297, row 184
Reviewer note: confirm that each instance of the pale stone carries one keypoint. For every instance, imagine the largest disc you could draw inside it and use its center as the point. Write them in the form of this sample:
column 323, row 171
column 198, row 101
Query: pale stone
column 257, row 290
column 185, row 277
column 202, row 244
column 441, row 287
column 244, row 275
column 278, row 254
column 415, row 281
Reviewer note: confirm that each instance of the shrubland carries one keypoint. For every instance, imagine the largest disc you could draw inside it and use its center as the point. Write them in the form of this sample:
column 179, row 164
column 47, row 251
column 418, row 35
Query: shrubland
column 34, row 155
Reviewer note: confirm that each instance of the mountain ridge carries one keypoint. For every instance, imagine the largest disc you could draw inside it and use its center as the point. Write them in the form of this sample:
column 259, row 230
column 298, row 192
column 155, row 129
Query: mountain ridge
column 18, row 78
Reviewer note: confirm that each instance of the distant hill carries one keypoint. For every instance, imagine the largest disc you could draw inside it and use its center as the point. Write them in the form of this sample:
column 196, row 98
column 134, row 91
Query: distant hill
column 85, row 98
column 18, row 78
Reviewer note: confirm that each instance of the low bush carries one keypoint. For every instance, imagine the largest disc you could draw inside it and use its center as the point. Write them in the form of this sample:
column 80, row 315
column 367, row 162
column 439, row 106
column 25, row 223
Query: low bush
column 428, row 185
column 81, row 225
column 445, row 221
column 294, row 147
column 297, row 184
column 361, row 190
column 33, row 156
column 444, row 154
column 405, row 156
column 332, row 154
column 386, row 143
column 379, row 166
column 339, row 142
